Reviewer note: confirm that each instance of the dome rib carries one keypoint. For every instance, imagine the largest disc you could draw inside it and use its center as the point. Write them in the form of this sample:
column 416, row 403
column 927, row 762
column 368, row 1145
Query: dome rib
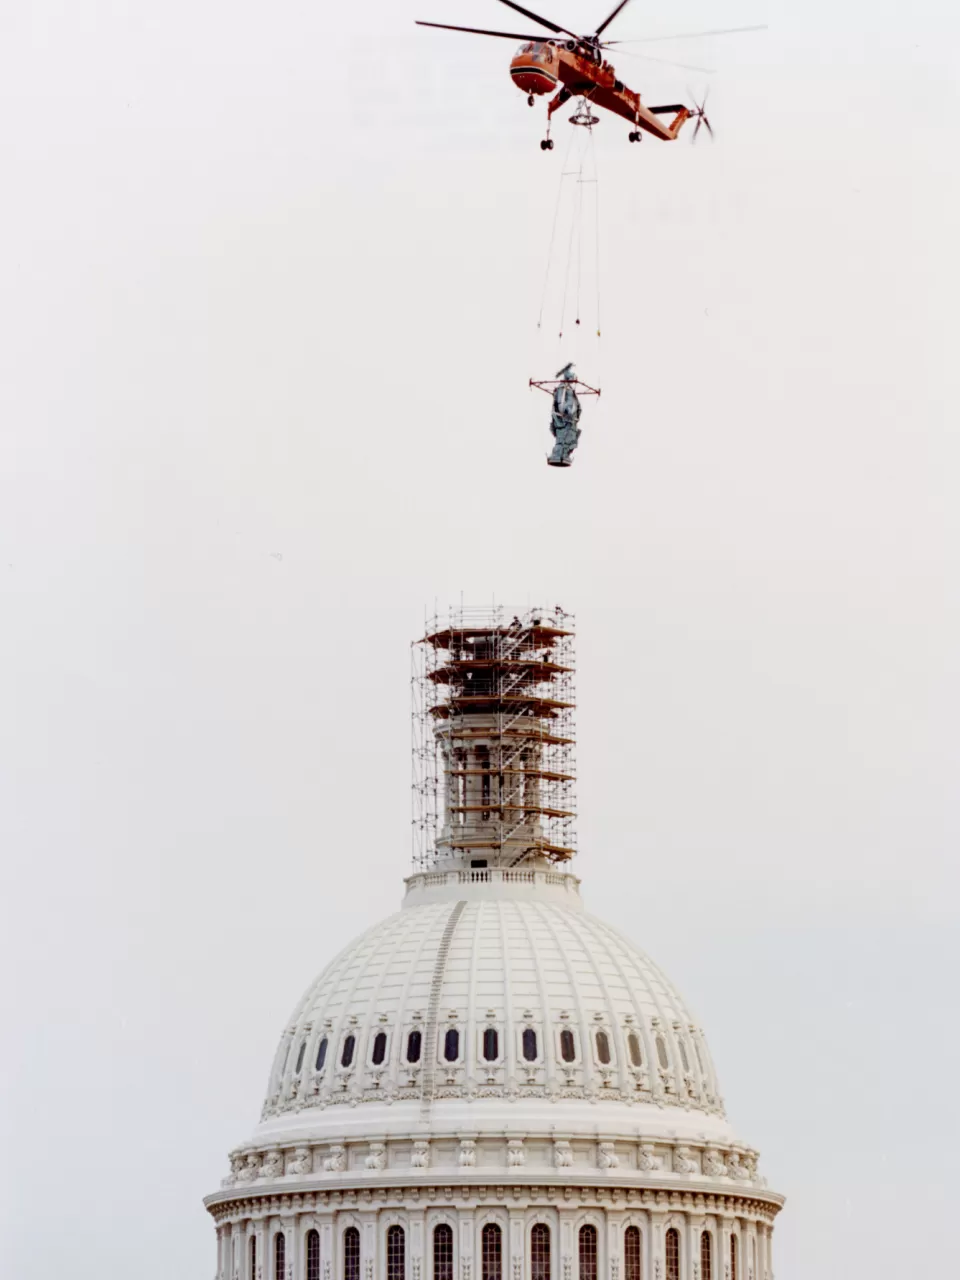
column 614, row 1028
column 563, row 952
column 431, row 1035
column 546, row 1054
column 397, row 1049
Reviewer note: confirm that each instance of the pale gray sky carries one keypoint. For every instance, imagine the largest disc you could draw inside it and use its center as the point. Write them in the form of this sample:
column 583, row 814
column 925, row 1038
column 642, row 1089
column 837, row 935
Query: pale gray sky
column 270, row 282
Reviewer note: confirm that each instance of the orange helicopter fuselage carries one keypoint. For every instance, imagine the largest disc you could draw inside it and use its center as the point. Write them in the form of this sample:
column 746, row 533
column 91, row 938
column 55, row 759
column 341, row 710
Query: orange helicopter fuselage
column 540, row 67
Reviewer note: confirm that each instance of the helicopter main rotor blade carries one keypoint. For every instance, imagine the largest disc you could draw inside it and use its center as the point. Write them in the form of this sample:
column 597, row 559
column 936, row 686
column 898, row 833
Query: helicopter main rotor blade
column 689, row 35
column 480, row 31
column 610, row 17
column 544, row 22
column 666, row 62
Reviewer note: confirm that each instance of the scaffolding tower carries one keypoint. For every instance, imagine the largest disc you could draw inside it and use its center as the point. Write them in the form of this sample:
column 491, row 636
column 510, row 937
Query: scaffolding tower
column 494, row 765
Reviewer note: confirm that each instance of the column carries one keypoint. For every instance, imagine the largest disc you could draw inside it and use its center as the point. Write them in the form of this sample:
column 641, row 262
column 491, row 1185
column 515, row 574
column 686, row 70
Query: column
column 418, row 1263
column 291, row 1248
column 691, row 1253
column 566, row 1246
column 466, row 1245
column 517, row 1246
column 656, row 1260
column 725, row 1233
column 368, row 1247
column 263, row 1247
column 235, row 1243
column 614, row 1218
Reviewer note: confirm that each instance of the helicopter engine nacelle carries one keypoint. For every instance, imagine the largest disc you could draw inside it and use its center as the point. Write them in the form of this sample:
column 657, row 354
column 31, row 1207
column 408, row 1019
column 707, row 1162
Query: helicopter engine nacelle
column 534, row 68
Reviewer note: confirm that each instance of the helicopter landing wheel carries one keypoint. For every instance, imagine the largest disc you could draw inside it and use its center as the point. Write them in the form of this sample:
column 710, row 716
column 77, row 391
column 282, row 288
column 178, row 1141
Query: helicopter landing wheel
column 635, row 136
column 530, row 100
column 546, row 144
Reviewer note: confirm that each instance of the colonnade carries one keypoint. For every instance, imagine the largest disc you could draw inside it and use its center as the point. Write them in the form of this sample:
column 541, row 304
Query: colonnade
column 528, row 1242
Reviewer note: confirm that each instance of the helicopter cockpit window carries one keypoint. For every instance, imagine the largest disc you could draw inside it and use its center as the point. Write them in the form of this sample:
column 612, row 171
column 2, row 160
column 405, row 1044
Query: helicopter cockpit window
column 526, row 48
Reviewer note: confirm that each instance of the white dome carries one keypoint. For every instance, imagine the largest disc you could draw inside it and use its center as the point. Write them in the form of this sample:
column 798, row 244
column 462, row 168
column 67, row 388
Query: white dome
column 488, row 989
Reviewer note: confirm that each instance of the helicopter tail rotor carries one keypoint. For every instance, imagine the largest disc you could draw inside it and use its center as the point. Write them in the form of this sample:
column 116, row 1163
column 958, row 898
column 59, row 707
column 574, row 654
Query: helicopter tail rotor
column 699, row 113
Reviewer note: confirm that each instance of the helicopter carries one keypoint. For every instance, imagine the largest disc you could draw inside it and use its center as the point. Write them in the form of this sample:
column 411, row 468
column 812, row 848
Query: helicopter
column 576, row 64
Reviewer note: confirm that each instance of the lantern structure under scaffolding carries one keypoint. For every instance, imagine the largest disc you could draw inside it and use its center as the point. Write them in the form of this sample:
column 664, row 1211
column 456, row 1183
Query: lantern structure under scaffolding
column 494, row 739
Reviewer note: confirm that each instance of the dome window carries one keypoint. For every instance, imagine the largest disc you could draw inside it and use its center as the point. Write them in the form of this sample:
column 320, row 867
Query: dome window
column 451, row 1044
column 346, row 1054
column 603, row 1048
column 379, row 1048
column 673, row 1252
column 706, row 1256
column 734, row 1251
column 414, row 1042
column 351, row 1254
column 588, row 1252
column 313, row 1254
column 568, row 1046
column 633, row 1046
column 303, row 1050
column 632, row 1266
column 540, row 1252
column 529, row 1044
column 321, row 1054
column 396, row 1253
column 662, row 1052
column 491, row 1252
column 279, row 1256
column 491, row 1045
column 253, row 1255
column 443, row 1252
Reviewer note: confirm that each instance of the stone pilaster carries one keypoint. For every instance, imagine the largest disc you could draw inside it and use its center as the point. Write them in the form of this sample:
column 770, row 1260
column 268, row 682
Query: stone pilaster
column 517, row 1246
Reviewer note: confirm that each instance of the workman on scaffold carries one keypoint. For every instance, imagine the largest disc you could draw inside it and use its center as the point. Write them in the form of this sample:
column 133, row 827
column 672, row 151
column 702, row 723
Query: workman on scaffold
column 564, row 419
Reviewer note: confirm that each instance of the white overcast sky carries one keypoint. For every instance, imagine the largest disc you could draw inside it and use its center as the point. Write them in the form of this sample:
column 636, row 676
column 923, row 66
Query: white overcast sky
column 269, row 277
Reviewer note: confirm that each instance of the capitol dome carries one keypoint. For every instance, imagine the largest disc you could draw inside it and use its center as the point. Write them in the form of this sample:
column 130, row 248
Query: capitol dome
column 492, row 1077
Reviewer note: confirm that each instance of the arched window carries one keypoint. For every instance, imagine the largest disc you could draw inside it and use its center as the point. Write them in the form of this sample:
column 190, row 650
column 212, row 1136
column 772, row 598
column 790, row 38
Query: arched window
column 568, row 1046
column 379, row 1048
column 303, row 1049
column 443, row 1252
column 451, row 1044
column 491, row 1045
column 540, row 1252
column 588, row 1253
column 683, row 1054
column 351, row 1254
column 706, row 1256
column 603, row 1047
column 734, row 1251
column 662, row 1052
column 529, row 1044
column 414, row 1041
column 633, row 1045
column 322, row 1053
column 253, row 1258
column 396, row 1253
column 491, row 1252
column 346, row 1055
column 632, row 1264
column 673, row 1254
column 280, row 1256
column 313, row 1254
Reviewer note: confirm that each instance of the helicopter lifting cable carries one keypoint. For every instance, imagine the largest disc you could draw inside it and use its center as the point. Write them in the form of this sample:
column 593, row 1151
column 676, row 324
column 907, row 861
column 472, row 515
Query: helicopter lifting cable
column 583, row 170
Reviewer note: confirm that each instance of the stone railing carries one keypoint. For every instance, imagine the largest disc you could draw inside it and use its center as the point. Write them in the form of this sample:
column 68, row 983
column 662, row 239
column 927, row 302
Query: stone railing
column 492, row 875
